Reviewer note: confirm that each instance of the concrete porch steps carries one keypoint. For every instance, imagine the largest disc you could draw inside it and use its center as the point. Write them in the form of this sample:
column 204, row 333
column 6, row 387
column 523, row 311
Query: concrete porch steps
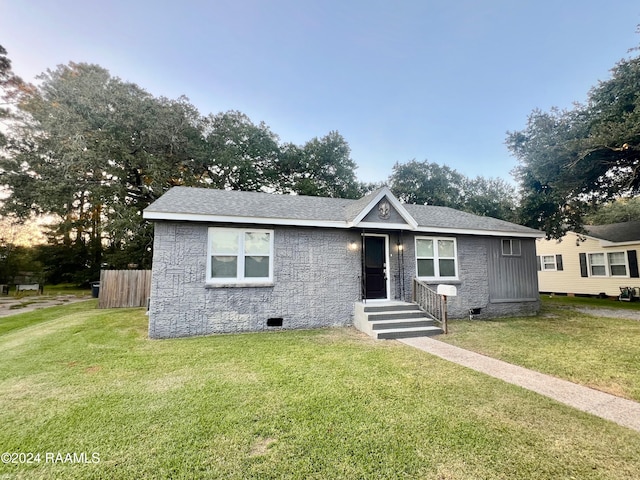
column 391, row 320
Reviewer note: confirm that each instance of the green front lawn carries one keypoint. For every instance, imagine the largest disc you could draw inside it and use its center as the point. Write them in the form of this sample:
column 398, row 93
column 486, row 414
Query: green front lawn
column 19, row 322
column 592, row 350
column 305, row 404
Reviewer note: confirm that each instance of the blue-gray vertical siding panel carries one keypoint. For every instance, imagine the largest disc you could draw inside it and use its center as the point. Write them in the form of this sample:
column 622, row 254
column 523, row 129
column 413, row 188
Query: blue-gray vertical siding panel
column 316, row 282
column 512, row 277
column 513, row 280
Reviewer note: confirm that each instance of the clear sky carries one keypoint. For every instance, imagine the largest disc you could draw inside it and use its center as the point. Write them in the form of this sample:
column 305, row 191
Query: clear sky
column 437, row 80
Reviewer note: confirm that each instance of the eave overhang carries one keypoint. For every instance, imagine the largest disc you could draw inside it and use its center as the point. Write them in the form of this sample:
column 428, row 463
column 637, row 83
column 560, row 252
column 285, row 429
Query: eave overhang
column 218, row 219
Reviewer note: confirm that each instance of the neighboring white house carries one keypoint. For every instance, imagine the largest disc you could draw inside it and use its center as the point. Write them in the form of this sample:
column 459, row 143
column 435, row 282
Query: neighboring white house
column 602, row 260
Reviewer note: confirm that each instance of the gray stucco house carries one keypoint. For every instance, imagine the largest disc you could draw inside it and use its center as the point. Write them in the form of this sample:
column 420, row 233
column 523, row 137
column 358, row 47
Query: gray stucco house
column 230, row 261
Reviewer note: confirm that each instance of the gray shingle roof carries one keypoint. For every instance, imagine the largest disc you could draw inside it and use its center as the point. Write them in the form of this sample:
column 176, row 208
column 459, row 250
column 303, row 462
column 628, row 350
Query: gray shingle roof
column 615, row 232
column 234, row 203
column 209, row 203
column 445, row 217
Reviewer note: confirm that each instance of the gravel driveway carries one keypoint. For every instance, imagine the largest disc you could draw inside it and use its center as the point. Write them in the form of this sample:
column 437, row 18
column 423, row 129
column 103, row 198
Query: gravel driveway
column 609, row 312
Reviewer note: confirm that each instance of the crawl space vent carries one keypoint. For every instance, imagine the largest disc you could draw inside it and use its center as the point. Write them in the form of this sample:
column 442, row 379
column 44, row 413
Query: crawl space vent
column 274, row 322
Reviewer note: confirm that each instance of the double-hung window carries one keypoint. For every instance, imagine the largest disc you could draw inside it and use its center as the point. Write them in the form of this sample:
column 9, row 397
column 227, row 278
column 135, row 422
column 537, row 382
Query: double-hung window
column 436, row 258
column 617, row 264
column 612, row 264
column 548, row 262
column 597, row 265
column 238, row 255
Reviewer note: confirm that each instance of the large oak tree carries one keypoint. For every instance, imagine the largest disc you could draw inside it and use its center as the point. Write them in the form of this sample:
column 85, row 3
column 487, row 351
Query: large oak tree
column 321, row 167
column 427, row 183
column 92, row 151
column 573, row 160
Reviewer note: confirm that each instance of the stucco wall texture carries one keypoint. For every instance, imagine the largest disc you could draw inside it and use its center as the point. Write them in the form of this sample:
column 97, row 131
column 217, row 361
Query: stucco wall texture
column 316, row 282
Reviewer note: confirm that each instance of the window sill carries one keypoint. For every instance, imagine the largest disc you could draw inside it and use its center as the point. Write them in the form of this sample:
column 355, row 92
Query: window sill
column 238, row 285
column 436, row 281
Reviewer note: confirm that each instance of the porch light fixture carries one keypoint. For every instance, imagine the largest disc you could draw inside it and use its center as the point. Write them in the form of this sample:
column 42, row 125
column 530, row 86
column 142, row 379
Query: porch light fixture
column 353, row 245
column 400, row 247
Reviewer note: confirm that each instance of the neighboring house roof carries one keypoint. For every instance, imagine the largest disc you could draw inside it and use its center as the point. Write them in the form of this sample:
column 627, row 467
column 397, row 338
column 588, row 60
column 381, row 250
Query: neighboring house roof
column 615, row 232
column 232, row 206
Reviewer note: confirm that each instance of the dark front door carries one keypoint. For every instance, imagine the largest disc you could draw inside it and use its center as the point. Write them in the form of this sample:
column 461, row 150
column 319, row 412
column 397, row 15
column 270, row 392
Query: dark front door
column 375, row 256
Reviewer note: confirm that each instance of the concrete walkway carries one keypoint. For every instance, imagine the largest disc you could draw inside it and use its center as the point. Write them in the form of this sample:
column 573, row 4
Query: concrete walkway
column 616, row 409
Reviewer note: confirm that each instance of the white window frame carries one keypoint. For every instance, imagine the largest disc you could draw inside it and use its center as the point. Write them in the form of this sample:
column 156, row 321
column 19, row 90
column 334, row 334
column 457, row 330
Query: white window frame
column 626, row 264
column 239, row 279
column 436, row 258
column 511, row 252
column 590, row 264
column 607, row 264
column 543, row 264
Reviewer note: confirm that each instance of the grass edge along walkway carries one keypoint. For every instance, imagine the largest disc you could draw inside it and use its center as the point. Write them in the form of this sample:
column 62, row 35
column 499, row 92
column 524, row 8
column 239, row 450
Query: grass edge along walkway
column 604, row 405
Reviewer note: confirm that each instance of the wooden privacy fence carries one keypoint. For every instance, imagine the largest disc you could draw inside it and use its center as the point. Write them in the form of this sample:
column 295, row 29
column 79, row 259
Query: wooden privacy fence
column 124, row 288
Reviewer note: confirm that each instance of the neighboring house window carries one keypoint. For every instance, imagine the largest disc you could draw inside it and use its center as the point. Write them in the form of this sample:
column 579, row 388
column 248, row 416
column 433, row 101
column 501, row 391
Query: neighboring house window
column 511, row 247
column 548, row 263
column 436, row 257
column 617, row 264
column 597, row 267
column 612, row 264
column 240, row 256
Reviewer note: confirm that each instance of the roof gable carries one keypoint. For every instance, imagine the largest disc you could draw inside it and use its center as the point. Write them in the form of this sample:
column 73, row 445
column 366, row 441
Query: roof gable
column 382, row 208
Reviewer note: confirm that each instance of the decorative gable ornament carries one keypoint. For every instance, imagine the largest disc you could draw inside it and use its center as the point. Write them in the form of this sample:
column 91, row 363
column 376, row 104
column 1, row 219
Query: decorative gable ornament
column 384, row 210
column 381, row 205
